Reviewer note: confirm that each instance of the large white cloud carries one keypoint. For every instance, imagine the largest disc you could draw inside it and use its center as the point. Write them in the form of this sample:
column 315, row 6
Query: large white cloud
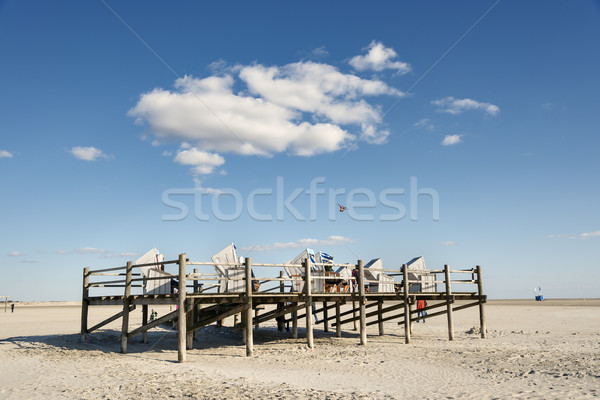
column 303, row 108
column 456, row 106
column 379, row 58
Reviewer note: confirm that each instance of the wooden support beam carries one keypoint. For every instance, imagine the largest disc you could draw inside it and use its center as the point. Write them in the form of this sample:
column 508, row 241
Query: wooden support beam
column 405, row 287
column 362, row 300
column 181, row 317
column 325, row 319
column 449, row 305
column 165, row 318
column 211, row 319
column 84, row 303
column 281, row 319
column 145, row 322
column 374, row 313
column 380, row 316
column 125, row 325
column 248, row 320
column 308, row 304
column 295, row 322
column 482, row 326
column 189, row 315
column 109, row 320
column 278, row 312
column 338, row 325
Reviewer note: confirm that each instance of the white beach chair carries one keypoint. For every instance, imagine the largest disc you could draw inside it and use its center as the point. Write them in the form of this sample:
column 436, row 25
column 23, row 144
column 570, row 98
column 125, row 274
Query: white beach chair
column 317, row 271
column 229, row 256
column 374, row 272
column 154, row 286
column 427, row 280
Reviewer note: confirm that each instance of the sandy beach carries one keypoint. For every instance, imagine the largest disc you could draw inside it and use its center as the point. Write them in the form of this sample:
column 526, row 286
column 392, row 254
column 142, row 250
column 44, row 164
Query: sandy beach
column 533, row 350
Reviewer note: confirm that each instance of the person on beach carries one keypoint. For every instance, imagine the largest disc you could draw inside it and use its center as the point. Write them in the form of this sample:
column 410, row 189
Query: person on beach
column 421, row 304
column 12, row 308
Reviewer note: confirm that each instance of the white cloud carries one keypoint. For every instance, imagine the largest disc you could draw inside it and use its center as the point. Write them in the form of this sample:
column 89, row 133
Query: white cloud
column 87, row 153
column 588, row 235
column 333, row 240
column 320, row 52
column 581, row 236
column 15, row 254
column 378, row 59
column 424, row 123
column 304, row 108
column 102, row 253
column 89, row 250
column 5, row 154
column 450, row 140
column 204, row 163
column 448, row 243
column 457, row 106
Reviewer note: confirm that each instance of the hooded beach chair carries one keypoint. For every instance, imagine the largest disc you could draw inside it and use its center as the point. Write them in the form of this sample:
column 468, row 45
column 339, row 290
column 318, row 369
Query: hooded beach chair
column 234, row 274
column 154, row 286
column 374, row 272
column 416, row 272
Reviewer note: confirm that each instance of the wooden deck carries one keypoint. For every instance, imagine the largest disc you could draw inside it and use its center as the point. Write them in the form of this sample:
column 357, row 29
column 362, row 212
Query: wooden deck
column 204, row 305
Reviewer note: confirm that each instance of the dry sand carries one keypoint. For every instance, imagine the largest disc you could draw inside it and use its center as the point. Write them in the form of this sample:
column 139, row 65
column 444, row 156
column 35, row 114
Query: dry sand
column 534, row 350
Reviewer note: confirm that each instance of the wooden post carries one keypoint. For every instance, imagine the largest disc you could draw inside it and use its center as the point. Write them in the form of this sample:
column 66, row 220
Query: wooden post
column 295, row 322
column 410, row 313
column 181, row 317
column 338, row 325
column 307, row 289
column 189, row 316
column 362, row 300
column 84, row 303
column 405, row 289
column 125, row 326
column 380, row 316
column 448, row 303
column 144, row 322
column 195, row 307
column 482, row 326
column 325, row 321
column 248, row 321
column 280, row 323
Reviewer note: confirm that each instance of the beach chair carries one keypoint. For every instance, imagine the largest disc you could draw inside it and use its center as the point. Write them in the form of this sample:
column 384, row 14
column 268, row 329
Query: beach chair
column 416, row 272
column 154, row 286
column 374, row 272
column 234, row 274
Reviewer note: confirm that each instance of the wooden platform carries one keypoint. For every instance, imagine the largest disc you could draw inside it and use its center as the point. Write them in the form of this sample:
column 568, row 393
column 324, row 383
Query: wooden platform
column 201, row 306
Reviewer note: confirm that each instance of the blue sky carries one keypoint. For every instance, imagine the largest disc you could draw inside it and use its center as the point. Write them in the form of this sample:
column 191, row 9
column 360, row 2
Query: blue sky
column 108, row 108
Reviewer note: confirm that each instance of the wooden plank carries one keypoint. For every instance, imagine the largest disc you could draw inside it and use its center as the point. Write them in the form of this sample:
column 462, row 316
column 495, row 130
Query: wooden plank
column 248, row 314
column 338, row 325
column 173, row 315
column 181, row 319
column 308, row 304
column 449, row 305
column 109, row 320
column 362, row 301
column 125, row 325
column 84, row 303
column 482, row 325
column 406, row 306
column 212, row 319
column 278, row 312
